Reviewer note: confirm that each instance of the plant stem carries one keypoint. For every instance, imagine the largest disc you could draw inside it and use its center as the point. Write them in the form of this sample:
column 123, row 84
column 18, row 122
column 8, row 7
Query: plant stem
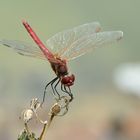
column 26, row 128
column 46, row 126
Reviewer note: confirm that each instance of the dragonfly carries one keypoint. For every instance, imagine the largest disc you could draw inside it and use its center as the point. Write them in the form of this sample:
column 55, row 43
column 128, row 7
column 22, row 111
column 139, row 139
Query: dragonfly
column 63, row 47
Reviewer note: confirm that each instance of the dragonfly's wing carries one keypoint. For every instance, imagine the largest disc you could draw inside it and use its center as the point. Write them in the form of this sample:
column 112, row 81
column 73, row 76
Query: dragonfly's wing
column 90, row 42
column 23, row 48
column 62, row 40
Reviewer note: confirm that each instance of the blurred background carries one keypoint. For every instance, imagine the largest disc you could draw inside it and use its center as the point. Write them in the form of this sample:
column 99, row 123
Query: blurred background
column 107, row 86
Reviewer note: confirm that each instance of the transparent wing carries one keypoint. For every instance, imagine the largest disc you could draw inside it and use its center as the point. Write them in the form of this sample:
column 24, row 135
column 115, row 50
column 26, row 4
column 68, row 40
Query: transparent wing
column 62, row 40
column 90, row 42
column 23, row 48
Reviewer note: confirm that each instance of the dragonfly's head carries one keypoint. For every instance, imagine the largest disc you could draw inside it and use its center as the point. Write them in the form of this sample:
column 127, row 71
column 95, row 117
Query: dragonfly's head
column 68, row 80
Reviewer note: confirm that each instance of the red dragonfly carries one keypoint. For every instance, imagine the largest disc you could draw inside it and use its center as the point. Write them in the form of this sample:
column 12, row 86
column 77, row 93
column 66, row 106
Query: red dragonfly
column 62, row 47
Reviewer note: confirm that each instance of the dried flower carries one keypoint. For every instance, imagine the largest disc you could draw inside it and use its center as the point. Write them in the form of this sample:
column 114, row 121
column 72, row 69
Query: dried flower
column 27, row 115
column 34, row 104
column 55, row 109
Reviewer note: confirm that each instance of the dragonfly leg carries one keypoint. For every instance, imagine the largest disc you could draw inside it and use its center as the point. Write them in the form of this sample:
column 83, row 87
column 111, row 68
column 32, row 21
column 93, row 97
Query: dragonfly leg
column 63, row 88
column 52, row 81
column 69, row 92
column 55, row 88
column 52, row 86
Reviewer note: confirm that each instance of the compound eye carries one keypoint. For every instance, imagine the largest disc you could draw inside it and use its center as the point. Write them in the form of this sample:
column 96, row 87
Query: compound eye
column 65, row 80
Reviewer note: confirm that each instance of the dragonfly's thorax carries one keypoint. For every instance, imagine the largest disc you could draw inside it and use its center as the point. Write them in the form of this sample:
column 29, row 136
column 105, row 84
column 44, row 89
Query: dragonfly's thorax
column 60, row 68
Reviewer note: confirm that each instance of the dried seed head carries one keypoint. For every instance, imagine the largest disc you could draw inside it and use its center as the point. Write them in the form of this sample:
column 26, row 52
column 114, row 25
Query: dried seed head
column 34, row 104
column 64, row 101
column 27, row 115
column 55, row 109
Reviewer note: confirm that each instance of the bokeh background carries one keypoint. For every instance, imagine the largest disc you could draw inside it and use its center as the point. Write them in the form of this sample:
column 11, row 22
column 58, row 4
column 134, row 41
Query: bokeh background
column 107, row 87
